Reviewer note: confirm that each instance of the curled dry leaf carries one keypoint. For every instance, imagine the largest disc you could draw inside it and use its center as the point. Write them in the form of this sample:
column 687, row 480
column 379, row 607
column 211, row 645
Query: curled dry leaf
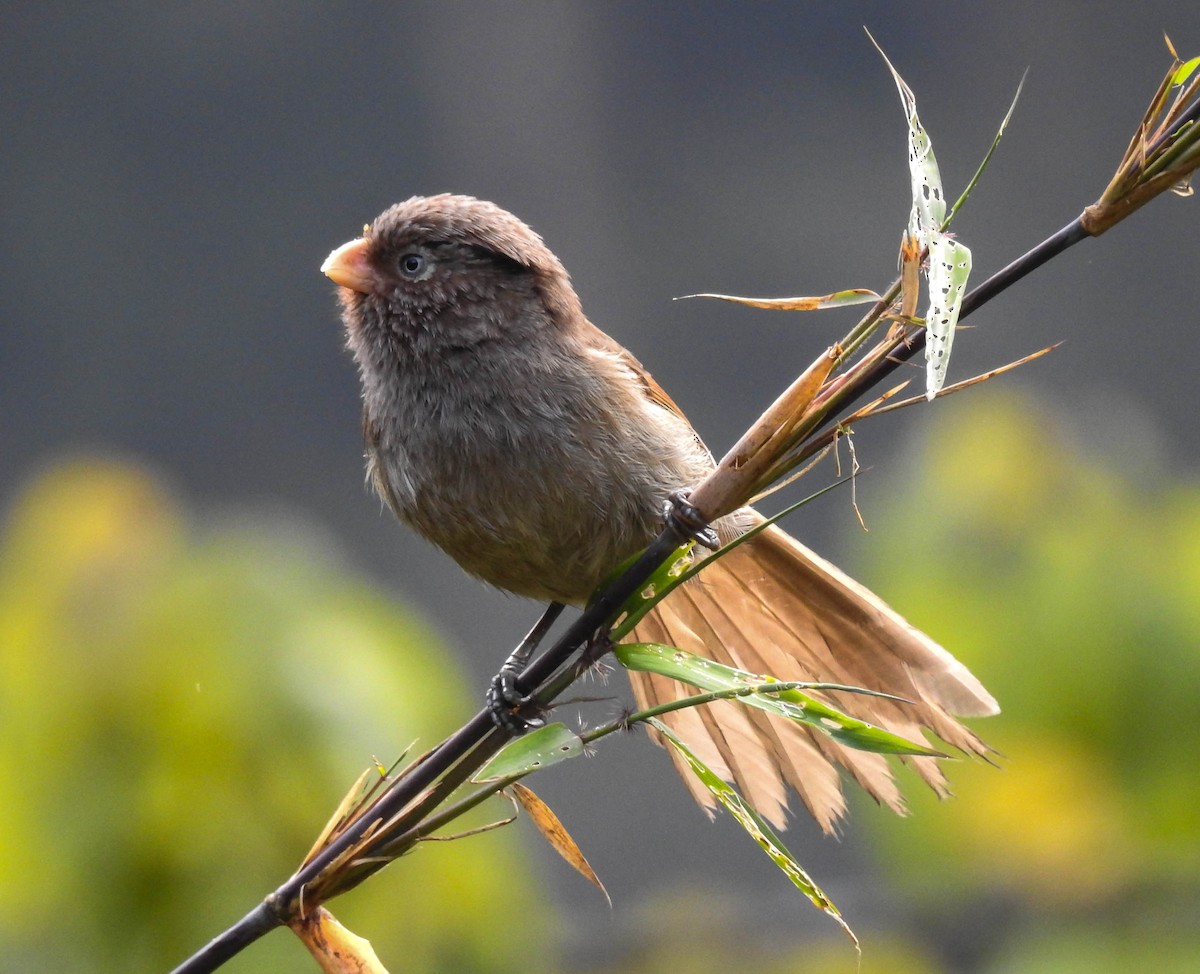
column 741, row 473
column 838, row 299
column 336, row 949
column 910, row 274
column 556, row 834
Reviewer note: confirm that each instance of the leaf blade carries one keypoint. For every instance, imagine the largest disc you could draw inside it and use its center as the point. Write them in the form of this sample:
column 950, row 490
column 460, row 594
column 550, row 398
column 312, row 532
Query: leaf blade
column 757, row 828
column 788, row 701
column 556, row 834
column 538, row 749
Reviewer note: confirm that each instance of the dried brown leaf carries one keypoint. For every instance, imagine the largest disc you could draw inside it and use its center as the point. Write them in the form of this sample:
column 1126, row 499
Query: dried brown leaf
column 556, row 834
column 910, row 274
column 336, row 949
column 739, row 475
column 956, row 387
column 838, row 299
column 341, row 814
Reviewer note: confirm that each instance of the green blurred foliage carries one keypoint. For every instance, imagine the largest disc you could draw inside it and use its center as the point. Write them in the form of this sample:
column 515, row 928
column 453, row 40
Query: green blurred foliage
column 1072, row 589
column 181, row 706
column 698, row 930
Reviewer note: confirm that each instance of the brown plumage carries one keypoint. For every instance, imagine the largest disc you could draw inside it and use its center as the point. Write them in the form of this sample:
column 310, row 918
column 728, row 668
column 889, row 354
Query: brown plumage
column 537, row 452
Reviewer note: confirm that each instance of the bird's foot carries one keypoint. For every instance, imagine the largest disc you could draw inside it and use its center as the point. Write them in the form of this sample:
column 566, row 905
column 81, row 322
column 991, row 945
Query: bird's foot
column 505, row 700
column 506, row 703
column 685, row 518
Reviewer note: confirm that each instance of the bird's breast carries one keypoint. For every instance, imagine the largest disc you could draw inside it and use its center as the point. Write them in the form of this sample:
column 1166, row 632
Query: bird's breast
column 536, row 481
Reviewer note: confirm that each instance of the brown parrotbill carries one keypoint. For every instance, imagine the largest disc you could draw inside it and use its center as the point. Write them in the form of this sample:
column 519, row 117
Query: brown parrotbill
column 538, row 453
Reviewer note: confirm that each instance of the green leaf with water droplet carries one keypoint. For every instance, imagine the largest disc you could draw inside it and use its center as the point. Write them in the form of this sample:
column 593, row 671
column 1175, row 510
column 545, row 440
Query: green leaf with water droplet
column 539, row 749
column 665, row 578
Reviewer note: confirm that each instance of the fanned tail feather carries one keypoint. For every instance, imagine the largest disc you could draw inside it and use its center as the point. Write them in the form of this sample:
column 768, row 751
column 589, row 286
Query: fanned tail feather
column 771, row 606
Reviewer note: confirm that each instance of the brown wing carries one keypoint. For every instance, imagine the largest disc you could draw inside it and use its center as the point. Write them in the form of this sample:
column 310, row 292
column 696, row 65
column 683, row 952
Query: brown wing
column 594, row 337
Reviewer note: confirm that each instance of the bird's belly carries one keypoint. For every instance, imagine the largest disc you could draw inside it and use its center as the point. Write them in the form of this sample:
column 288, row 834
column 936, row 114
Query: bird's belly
column 527, row 521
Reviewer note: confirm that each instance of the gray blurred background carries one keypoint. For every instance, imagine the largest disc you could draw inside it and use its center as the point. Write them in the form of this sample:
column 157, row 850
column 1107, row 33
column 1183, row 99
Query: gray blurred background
column 174, row 174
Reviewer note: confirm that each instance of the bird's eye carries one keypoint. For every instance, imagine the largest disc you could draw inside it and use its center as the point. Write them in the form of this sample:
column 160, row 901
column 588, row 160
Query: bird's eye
column 413, row 265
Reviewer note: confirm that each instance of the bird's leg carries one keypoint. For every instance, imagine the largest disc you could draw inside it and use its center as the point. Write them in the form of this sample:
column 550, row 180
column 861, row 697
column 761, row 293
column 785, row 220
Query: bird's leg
column 688, row 521
column 504, row 697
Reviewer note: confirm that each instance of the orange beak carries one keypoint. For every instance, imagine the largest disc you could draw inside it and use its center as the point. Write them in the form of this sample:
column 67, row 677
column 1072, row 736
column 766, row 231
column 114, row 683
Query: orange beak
column 348, row 266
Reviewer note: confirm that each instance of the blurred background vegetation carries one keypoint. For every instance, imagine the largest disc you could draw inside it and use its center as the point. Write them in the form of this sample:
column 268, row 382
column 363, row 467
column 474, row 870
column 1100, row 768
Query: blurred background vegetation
column 182, row 704
column 202, row 644
column 1069, row 573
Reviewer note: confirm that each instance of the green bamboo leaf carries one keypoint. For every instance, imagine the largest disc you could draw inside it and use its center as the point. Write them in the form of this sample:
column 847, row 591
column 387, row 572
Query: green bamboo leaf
column 669, row 574
column 757, row 828
column 543, row 747
column 788, row 701
column 1184, row 71
column 987, row 156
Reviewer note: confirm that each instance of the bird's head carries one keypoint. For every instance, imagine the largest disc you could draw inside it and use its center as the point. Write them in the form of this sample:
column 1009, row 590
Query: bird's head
column 448, row 263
